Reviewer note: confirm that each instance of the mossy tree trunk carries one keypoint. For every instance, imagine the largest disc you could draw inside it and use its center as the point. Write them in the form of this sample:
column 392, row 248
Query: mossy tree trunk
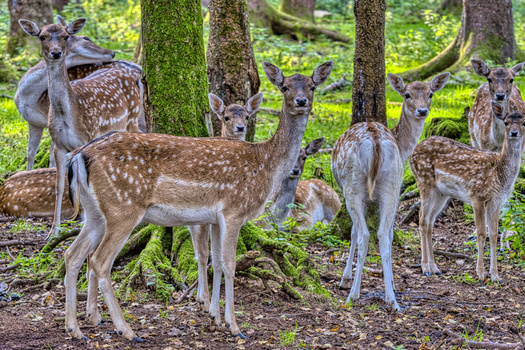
column 486, row 33
column 264, row 15
column 303, row 9
column 368, row 88
column 450, row 6
column 174, row 67
column 38, row 11
column 232, row 71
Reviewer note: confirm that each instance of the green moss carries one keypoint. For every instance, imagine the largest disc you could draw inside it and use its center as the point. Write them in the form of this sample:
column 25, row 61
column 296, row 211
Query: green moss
column 519, row 186
column 408, row 177
column 453, row 128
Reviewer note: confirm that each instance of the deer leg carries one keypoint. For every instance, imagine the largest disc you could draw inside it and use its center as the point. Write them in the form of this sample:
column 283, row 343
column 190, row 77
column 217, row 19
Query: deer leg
column 385, row 235
column 86, row 242
column 52, row 162
column 480, row 220
column 229, row 237
column 200, row 235
column 347, row 273
column 357, row 213
column 91, row 306
column 431, row 206
column 35, row 135
column 60, row 157
column 493, row 218
column 217, row 274
column 117, row 232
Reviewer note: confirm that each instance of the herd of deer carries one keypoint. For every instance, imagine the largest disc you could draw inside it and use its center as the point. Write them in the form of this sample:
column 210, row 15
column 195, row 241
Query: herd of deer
column 121, row 177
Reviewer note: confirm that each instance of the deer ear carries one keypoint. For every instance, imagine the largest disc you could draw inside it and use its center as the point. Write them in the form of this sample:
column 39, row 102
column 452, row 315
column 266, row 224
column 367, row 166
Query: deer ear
column 498, row 110
column 322, row 72
column 253, row 104
column 273, row 73
column 61, row 21
column 29, row 27
column 216, row 104
column 439, row 81
column 314, row 146
column 397, row 83
column 516, row 69
column 76, row 26
column 480, row 67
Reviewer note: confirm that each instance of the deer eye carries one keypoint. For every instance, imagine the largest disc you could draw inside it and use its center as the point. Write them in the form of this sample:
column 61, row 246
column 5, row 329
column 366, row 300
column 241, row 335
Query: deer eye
column 66, row 37
column 42, row 38
column 511, row 81
column 86, row 38
column 489, row 80
column 407, row 95
column 284, row 89
column 312, row 89
column 247, row 117
column 304, row 158
column 506, row 123
column 430, row 96
column 226, row 118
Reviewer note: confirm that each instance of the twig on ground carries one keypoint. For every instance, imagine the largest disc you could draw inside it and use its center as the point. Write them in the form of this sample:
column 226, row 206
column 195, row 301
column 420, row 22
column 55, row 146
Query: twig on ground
column 8, row 268
column 330, row 251
column 409, row 195
column 190, row 288
column 59, row 319
column 411, row 212
column 458, row 340
column 453, row 255
column 270, row 111
column 6, row 96
column 338, row 85
column 15, row 243
column 344, row 100
column 5, row 262
column 9, row 253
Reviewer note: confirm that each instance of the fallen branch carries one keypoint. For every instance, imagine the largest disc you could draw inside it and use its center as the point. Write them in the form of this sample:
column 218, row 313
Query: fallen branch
column 61, row 319
column 8, row 268
column 270, row 111
column 337, row 85
column 413, row 209
column 15, row 243
column 453, row 255
column 458, row 340
column 5, row 262
column 57, row 240
column 344, row 100
column 46, row 285
column 409, row 195
column 6, row 96
column 9, row 253
column 190, row 288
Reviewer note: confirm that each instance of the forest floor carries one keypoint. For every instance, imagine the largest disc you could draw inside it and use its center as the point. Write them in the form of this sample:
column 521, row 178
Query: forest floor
column 454, row 301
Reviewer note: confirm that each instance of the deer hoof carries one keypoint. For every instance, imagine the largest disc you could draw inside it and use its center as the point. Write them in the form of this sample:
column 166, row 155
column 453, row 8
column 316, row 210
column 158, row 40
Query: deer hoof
column 136, row 340
column 240, row 335
column 428, row 274
column 439, row 273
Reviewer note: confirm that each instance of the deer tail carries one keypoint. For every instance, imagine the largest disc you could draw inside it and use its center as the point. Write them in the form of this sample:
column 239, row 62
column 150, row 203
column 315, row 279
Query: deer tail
column 375, row 164
column 77, row 178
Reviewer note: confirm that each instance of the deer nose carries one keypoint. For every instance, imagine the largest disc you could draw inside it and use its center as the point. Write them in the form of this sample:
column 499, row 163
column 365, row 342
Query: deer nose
column 422, row 112
column 500, row 97
column 514, row 134
column 239, row 128
column 295, row 172
column 301, row 101
column 57, row 54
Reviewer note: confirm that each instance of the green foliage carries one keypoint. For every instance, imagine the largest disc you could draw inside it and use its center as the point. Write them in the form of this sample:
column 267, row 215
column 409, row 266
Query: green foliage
column 513, row 219
column 287, row 338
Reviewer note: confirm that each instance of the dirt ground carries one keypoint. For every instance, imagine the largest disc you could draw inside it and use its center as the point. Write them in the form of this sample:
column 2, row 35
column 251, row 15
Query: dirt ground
column 453, row 301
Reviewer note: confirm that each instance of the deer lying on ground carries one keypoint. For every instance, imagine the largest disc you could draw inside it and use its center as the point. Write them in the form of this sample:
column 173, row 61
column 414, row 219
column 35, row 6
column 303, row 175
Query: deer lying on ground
column 445, row 169
column 122, row 179
column 31, row 97
column 32, row 194
column 367, row 163
column 107, row 100
column 319, row 200
column 486, row 132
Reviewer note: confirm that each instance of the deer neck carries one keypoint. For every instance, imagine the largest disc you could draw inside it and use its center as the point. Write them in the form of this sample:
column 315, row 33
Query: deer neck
column 407, row 133
column 60, row 92
column 283, row 195
column 284, row 147
column 509, row 162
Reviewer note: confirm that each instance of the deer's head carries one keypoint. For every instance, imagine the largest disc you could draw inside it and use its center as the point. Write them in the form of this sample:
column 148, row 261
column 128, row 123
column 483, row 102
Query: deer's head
column 298, row 89
column 500, row 79
column 310, row 149
column 235, row 117
column 54, row 37
column 514, row 122
column 417, row 95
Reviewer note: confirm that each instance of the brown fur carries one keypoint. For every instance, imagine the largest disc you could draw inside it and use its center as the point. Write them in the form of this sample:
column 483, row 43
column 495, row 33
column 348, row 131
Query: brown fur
column 314, row 194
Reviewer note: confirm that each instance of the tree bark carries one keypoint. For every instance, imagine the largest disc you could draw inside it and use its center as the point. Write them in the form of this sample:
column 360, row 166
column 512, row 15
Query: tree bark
column 232, row 71
column 368, row 89
column 450, row 6
column 303, row 9
column 38, row 11
column 486, row 33
column 59, row 4
column 175, row 83
column 263, row 15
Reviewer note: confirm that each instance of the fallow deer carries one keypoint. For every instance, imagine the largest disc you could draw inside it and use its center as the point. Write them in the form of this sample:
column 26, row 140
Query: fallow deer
column 31, row 97
column 486, row 132
column 367, row 163
column 445, row 169
column 319, row 201
column 32, row 194
column 284, row 194
column 107, row 100
column 122, row 179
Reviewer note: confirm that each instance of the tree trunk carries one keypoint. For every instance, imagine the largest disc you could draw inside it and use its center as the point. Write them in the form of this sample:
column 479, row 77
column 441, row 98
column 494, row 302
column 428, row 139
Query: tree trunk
column 175, row 83
column 263, row 15
column 486, row 33
column 38, row 11
column 450, row 6
column 368, row 89
column 59, row 4
column 303, row 9
column 232, row 71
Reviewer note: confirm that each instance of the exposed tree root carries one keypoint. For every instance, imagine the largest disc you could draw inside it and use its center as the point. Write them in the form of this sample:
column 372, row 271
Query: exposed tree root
column 458, row 340
column 48, row 248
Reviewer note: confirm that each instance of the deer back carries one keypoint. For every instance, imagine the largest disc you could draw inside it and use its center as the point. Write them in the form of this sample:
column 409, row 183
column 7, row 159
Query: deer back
column 320, row 202
column 32, row 194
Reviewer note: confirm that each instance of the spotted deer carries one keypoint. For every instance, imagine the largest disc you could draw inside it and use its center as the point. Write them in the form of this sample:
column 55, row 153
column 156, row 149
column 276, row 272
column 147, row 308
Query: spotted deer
column 31, row 98
column 284, row 194
column 445, row 169
column 234, row 117
column 81, row 110
column 32, row 194
column 486, row 131
column 367, row 163
column 122, row 179
column 319, row 202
